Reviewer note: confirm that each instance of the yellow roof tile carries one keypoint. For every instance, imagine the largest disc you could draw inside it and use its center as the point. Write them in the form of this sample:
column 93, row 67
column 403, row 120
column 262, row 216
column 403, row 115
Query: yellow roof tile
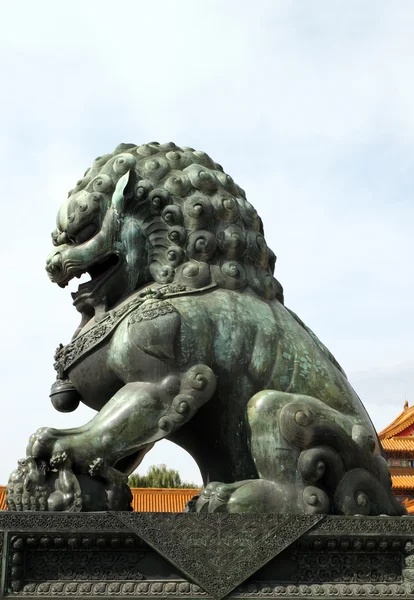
column 402, row 482
column 398, row 444
column 161, row 499
column 404, row 420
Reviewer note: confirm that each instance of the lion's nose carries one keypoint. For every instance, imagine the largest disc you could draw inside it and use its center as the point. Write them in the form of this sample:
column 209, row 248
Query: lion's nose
column 54, row 265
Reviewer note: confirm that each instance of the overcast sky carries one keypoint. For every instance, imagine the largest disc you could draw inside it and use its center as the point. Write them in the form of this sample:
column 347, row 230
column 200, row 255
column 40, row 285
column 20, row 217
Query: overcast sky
column 308, row 105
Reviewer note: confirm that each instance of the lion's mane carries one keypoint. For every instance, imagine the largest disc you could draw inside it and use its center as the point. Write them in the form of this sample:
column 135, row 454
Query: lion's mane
column 199, row 225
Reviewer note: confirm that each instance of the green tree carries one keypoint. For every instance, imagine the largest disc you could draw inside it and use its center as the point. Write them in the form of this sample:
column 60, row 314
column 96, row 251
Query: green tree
column 159, row 476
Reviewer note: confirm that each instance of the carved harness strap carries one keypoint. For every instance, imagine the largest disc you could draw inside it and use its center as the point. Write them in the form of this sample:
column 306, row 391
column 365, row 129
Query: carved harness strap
column 67, row 356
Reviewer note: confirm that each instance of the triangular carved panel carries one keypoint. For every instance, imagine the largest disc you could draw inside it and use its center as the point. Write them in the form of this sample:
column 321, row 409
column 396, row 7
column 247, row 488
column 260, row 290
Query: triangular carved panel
column 217, row 551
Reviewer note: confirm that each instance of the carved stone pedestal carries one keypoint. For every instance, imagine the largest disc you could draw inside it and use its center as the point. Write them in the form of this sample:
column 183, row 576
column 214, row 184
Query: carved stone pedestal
column 160, row 555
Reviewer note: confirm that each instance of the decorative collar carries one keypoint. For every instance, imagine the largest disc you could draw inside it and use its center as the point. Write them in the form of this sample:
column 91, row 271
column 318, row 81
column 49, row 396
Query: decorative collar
column 67, row 356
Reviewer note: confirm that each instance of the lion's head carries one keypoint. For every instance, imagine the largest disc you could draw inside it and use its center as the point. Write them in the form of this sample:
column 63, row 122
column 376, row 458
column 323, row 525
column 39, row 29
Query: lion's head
column 158, row 213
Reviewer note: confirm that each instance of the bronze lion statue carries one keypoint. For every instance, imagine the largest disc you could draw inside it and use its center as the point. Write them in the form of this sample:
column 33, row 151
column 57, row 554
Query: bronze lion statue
column 184, row 335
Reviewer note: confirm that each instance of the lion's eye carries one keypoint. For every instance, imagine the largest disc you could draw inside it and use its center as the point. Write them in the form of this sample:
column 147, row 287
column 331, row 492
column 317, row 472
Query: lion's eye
column 85, row 234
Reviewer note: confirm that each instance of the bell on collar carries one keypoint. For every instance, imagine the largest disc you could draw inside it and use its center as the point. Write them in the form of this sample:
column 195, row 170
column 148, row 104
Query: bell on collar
column 64, row 396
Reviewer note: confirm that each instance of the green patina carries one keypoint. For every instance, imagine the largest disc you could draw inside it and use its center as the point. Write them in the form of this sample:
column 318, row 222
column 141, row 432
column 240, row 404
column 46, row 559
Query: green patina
column 184, row 335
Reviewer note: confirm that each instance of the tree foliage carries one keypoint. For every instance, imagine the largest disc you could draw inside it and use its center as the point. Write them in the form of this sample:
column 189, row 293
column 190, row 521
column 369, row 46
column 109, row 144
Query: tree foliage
column 159, row 476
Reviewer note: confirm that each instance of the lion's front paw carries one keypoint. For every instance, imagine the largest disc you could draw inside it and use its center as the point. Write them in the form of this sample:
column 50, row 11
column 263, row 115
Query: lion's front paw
column 41, row 442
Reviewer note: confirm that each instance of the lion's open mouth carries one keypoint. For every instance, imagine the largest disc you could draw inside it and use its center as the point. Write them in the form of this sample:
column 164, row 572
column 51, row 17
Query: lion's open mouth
column 98, row 272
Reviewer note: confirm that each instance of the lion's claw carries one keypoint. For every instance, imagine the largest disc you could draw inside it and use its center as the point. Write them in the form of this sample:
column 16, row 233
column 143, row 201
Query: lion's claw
column 59, row 460
column 96, row 467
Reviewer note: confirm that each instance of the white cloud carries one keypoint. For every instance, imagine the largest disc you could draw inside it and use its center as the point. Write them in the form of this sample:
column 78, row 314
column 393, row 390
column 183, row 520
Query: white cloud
column 385, row 390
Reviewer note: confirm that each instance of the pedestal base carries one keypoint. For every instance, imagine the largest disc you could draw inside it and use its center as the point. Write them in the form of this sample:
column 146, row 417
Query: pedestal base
column 153, row 555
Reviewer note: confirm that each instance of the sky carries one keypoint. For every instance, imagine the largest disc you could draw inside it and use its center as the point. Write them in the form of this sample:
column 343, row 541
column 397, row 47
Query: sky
column 309, row 106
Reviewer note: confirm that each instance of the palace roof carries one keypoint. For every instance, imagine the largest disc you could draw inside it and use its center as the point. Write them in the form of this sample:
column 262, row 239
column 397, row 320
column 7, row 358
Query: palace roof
column 161, row 499
column 401, row 427
column 398, row 444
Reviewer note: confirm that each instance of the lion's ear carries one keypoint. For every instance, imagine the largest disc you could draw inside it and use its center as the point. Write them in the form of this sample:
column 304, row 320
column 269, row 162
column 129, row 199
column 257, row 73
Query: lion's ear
column 124, row 192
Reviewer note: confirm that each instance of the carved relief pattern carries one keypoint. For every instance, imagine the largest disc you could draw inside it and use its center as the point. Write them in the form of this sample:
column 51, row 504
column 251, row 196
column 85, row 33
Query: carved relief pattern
column 185, row 589
column 67, row 356
column 151, row 310
column 91, row 555
column 378, row 525
column 324, row 590
column 60, row 521
column 408, row 571
column 36, row 559
column 219, row 551
column 100, row 565
column 349, row 568
column 164, row 589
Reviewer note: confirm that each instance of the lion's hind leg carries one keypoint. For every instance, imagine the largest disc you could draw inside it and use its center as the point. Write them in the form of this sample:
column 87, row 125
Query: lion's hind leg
column 331, row 459
column 310, row 459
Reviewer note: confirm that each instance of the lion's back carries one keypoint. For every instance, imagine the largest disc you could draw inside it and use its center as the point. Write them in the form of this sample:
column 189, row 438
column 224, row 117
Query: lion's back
column 254, row 344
